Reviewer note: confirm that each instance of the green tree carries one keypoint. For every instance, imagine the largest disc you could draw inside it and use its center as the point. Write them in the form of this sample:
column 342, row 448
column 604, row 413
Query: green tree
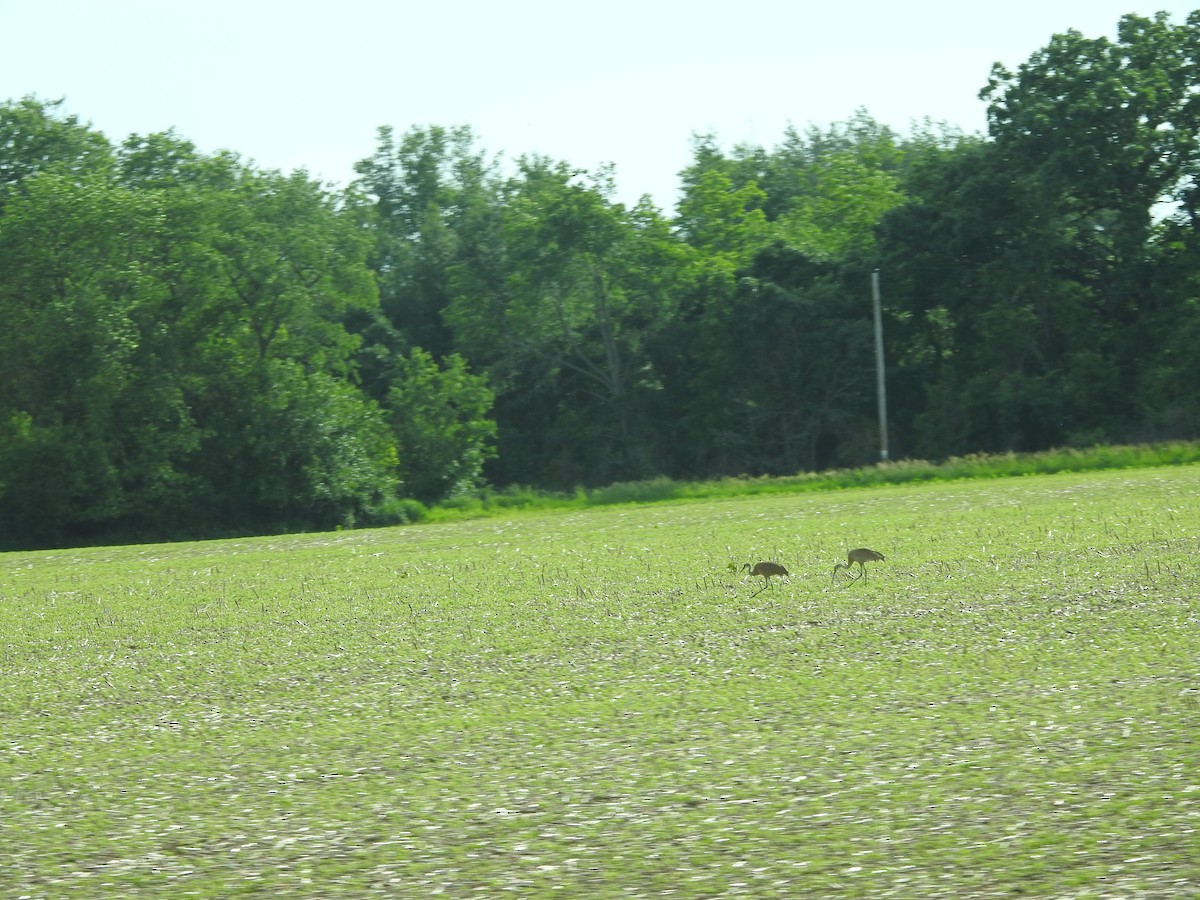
column 420, row 188
column 778, row 376
column 176, row 360
column 36, row 137
column 1106, row 128
column 1025, row 267
column 556, row 300
column 847, row 201
column 274, row 267
column 767, row 367
column 439, row 415
column 722, row 218
column 285, row 448
column 88, row 436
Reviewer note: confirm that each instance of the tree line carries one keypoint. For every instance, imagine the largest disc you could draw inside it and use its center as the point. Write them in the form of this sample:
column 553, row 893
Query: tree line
column 192, row 345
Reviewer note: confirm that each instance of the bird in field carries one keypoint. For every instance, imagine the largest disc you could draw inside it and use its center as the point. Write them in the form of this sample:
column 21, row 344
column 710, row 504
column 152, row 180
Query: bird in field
column 861, row 556
column 767, row 570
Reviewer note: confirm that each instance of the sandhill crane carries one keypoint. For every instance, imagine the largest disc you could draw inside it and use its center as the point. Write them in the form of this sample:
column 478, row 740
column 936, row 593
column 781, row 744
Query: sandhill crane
column 767, row 570
column 861, row 555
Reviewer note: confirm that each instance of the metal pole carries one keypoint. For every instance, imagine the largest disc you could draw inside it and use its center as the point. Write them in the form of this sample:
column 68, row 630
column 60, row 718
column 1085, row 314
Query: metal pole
column 879, row 375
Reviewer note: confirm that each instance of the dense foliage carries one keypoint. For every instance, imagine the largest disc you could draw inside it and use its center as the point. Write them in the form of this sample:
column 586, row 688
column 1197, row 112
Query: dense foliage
column 194, row 346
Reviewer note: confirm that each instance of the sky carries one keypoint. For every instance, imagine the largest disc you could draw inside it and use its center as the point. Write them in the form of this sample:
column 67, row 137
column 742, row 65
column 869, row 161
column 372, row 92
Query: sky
column 301, row 84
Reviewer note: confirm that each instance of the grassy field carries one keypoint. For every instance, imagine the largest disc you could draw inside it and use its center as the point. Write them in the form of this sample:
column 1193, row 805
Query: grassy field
column 594, row 703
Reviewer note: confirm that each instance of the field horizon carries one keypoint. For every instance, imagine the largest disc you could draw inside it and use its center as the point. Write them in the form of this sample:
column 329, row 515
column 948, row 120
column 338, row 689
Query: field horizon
column 599, row 702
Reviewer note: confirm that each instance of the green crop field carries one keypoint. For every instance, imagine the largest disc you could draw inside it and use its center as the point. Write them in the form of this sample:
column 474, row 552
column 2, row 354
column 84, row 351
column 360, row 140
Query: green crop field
column 595, row 703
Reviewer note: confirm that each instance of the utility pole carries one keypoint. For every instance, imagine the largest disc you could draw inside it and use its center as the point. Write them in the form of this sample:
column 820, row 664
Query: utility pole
column 881, row 385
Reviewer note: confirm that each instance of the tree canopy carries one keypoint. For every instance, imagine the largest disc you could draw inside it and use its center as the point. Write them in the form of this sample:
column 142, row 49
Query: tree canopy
column 196, row 346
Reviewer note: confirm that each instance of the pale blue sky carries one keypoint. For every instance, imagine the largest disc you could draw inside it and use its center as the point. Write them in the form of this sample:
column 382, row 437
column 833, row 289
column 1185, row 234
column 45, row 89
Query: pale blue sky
column 304, row 84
